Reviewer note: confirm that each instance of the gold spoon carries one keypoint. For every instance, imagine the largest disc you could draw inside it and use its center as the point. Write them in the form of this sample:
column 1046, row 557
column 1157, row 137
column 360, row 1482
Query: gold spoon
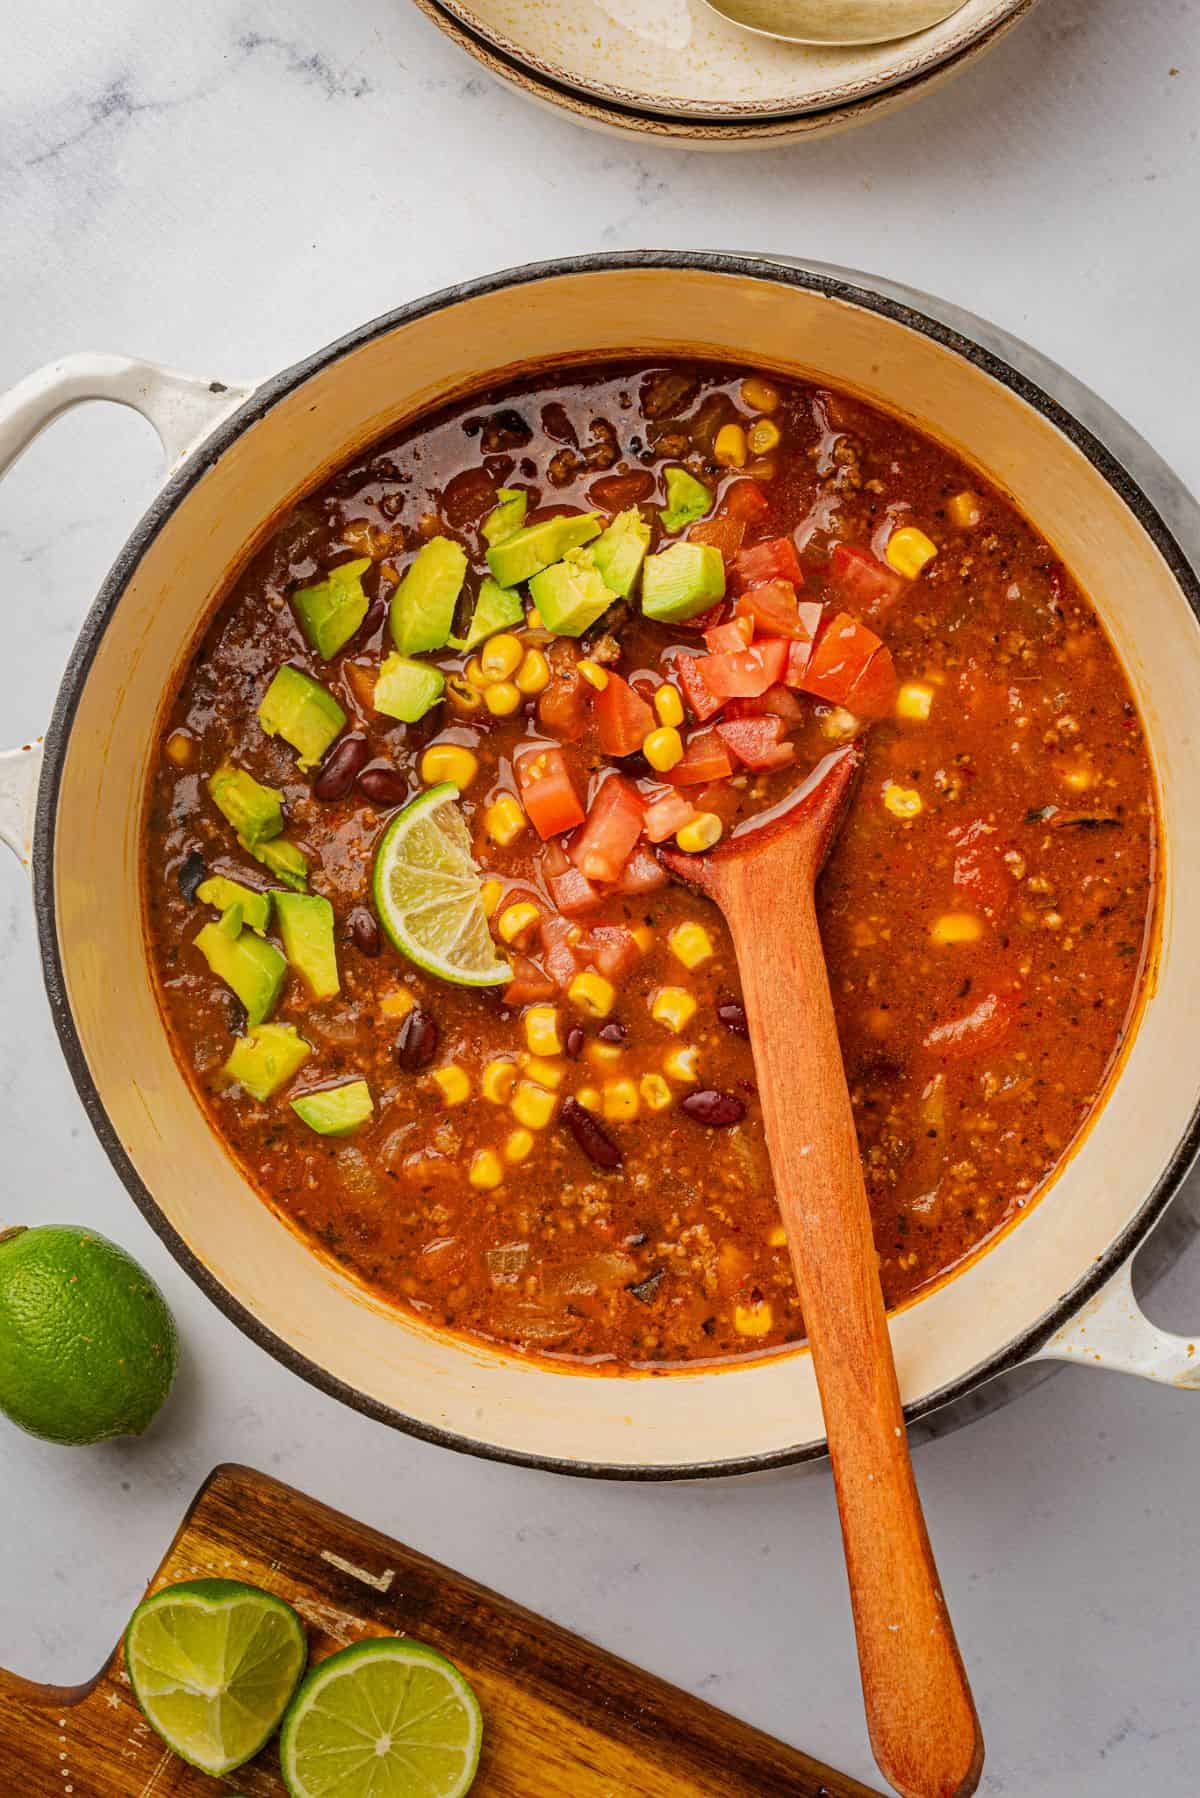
column 836, row 21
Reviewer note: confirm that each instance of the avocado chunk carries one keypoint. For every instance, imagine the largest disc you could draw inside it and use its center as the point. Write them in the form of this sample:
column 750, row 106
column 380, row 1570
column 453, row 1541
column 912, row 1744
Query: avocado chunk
column 221, row 894
column 687, row 500
column 620, row 552
column 330, row 611
column 336, row 1110
column 306, row 927
column 302, row 712
column 266, row 1058
column 571, row 595
column 536, row 546
column 255, row 970
column 406, row 689
column 508, row 516
column 682, row 581
column 282, row 859
column 255, row 811
column 497, row 609
column 422, row 611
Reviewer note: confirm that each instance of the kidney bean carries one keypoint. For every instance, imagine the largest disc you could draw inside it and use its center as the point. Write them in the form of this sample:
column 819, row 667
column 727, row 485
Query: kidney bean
column 614, row 492
column 191, row 872
column 383, row 786
column 732, row 1013
column 574, row 1042
column 713, row 1108
column 612, row 1032
column 340, row 768
column 417, row 1042
column 591, row 1137
column 363, row 932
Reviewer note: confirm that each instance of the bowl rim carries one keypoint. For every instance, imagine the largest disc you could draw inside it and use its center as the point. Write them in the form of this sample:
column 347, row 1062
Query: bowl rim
column 837, row 288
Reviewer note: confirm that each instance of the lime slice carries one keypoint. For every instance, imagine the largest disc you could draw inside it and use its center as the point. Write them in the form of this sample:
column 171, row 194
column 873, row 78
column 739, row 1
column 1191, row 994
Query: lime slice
column 388, row 1719
column 213, row 1664
column 427, row 892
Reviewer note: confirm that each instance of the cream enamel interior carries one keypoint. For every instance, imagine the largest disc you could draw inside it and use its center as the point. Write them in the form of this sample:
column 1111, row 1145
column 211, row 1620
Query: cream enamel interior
column 703, row 1418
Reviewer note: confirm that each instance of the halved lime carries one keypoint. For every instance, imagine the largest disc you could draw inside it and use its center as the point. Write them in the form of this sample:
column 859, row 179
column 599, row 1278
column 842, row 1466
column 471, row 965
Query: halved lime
column 213, row 1664
column 386, row 1719
column 427, row 892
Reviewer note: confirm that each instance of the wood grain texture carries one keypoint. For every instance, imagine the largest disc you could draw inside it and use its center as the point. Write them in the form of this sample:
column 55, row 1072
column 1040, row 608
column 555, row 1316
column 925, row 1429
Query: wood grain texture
column 921, row 1716
column 562, row 1718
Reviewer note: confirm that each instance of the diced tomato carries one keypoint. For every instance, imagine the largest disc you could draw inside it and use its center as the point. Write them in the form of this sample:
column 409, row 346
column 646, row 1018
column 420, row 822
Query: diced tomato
column 623, row 719
column 728, row 639
column 724, row 534
column 529, row 983
column 757, row 742
column 612, row 949
column 547, row 791
column 559, row 958
column 614, row 824
column 642, row 873
column 777, row 613
column 745, row 500
column 774, row 560
column 842, row 653
column 746, row 673
column 776, row 702
column 563, row 707
column 863, row 581
column 979, row 871
column 573, row 892
column 362, row 685
column 705, row 758
column 667, row 815
column 800, row 652
column 701, row 702
column 873, row 694
column 986, row 1024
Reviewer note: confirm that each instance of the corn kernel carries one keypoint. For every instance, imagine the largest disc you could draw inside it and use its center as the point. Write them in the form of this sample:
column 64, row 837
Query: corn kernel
column 620, row 1100
column 762, row 437
column 839, row 725
column 533, row 676
column 533, row 1106
column 547, row 1073
column 398, row 1004
column 473, row 674
column 902, row 802
column 498, row 1079
column 700, row 833
column 643, row 936
column 502, row 698
column 964, row 510
column 533, row 619
column 541, row 1030
column 673, row 1006
column 515, row 920
column 180, row 748
column 589, row 1098
column 504, row 820
column 655, row 1093
column 914, row 701
column 486, row 1170
column 691, row 944
column 454, row 1084
column 753, row 1320
column 663, row 749
column 518, row 1146
column 591, row 993
column 461, row 695
column 908, row 551
column 602, row 1055
column 593, row 674
column 682, row 1064
column 759, row 395
column 777, row 1237
column 729, row 448
column 501, row 657
column 957, row 927
column 1078, row 779
column 449, row 761
column 668, row 706
column 491, row 893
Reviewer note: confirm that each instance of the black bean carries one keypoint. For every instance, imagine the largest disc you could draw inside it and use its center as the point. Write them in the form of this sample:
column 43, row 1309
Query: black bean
column 363, row 931
column 645, row 1289
column 574, row 1043
column 611, row 1032
column 340, row 768
column 376, row 613
column 732, row 1014
column 591, row 1137
column 383, row 786
column 713, row 1108
column 417, row 1042
column 191, row 872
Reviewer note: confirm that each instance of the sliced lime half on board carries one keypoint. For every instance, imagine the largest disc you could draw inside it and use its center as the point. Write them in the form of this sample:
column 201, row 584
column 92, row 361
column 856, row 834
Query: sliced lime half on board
column 428, row 894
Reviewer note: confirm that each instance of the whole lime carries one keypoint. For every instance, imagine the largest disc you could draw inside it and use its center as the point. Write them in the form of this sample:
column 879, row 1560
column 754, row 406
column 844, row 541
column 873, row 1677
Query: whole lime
column 87, row 1345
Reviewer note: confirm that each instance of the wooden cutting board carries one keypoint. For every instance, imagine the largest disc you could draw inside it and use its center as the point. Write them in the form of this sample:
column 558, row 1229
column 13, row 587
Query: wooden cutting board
column 562, row 1719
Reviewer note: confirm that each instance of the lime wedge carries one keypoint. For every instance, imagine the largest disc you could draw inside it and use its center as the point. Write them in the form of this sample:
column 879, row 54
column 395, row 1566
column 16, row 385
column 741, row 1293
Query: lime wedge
column 388, row 1719
column 213, row 1664
column 427, row 892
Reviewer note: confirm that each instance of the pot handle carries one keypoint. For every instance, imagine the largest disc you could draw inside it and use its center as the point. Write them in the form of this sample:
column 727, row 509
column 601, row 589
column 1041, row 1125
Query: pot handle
column 1112, row 1331
column 183, row 409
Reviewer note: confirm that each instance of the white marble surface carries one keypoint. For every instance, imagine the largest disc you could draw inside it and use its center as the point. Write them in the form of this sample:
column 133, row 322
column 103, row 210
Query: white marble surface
column 226, row 187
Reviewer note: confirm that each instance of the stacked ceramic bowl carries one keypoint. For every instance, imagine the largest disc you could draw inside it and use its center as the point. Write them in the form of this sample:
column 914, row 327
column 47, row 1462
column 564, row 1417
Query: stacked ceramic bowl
column 674, row 71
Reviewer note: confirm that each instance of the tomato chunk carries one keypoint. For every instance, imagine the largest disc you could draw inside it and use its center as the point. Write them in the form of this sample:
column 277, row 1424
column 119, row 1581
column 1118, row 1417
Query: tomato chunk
column 724, row 534
column 558, row 955
column 842, row 653
column 728, row 639
column 745, row 500
column 862, row 580
column 774, row 560
column 642, row 873
column 701, row 701
column 548, row 791
column 986, row 1024
column 529, row 983
column 573, row 893
column 705, row 758
column 979, row 871
column 623, row 719
column 612, row 949
column 614, row 824
column 776, row 611
column 873, row 694
column 777, row 701
column 746, row 673
column 757, row 742
column 667, row 815
column 799, row 650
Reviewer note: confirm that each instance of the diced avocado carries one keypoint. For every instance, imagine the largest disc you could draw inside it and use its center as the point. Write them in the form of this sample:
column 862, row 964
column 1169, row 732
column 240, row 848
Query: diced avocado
column 572, row 594
column 282, row 859
column 620, row 552
column 336, row 1110
column 306, row 926
column 222, row 893
column 508, row 516
column 536, row 546
column 406, row 689
column 330, row 611
column 255, row 811
column 422, row 611
column 255, row 970
column 682, row 581
column 687, row 500
column 302, row 712
column 497, row 609
column 266, row 1058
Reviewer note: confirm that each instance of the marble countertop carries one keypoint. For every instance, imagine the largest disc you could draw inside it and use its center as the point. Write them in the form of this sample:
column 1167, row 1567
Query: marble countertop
column 224, row 188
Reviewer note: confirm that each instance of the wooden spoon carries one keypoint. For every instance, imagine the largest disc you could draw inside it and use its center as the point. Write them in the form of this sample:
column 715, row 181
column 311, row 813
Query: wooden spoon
column 920, row 1712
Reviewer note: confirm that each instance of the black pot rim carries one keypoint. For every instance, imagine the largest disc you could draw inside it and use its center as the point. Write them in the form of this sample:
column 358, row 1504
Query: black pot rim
column 58, row 733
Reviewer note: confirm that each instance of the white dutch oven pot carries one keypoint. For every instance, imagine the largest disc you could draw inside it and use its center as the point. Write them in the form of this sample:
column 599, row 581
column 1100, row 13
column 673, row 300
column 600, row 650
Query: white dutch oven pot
column 1054, row 1286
